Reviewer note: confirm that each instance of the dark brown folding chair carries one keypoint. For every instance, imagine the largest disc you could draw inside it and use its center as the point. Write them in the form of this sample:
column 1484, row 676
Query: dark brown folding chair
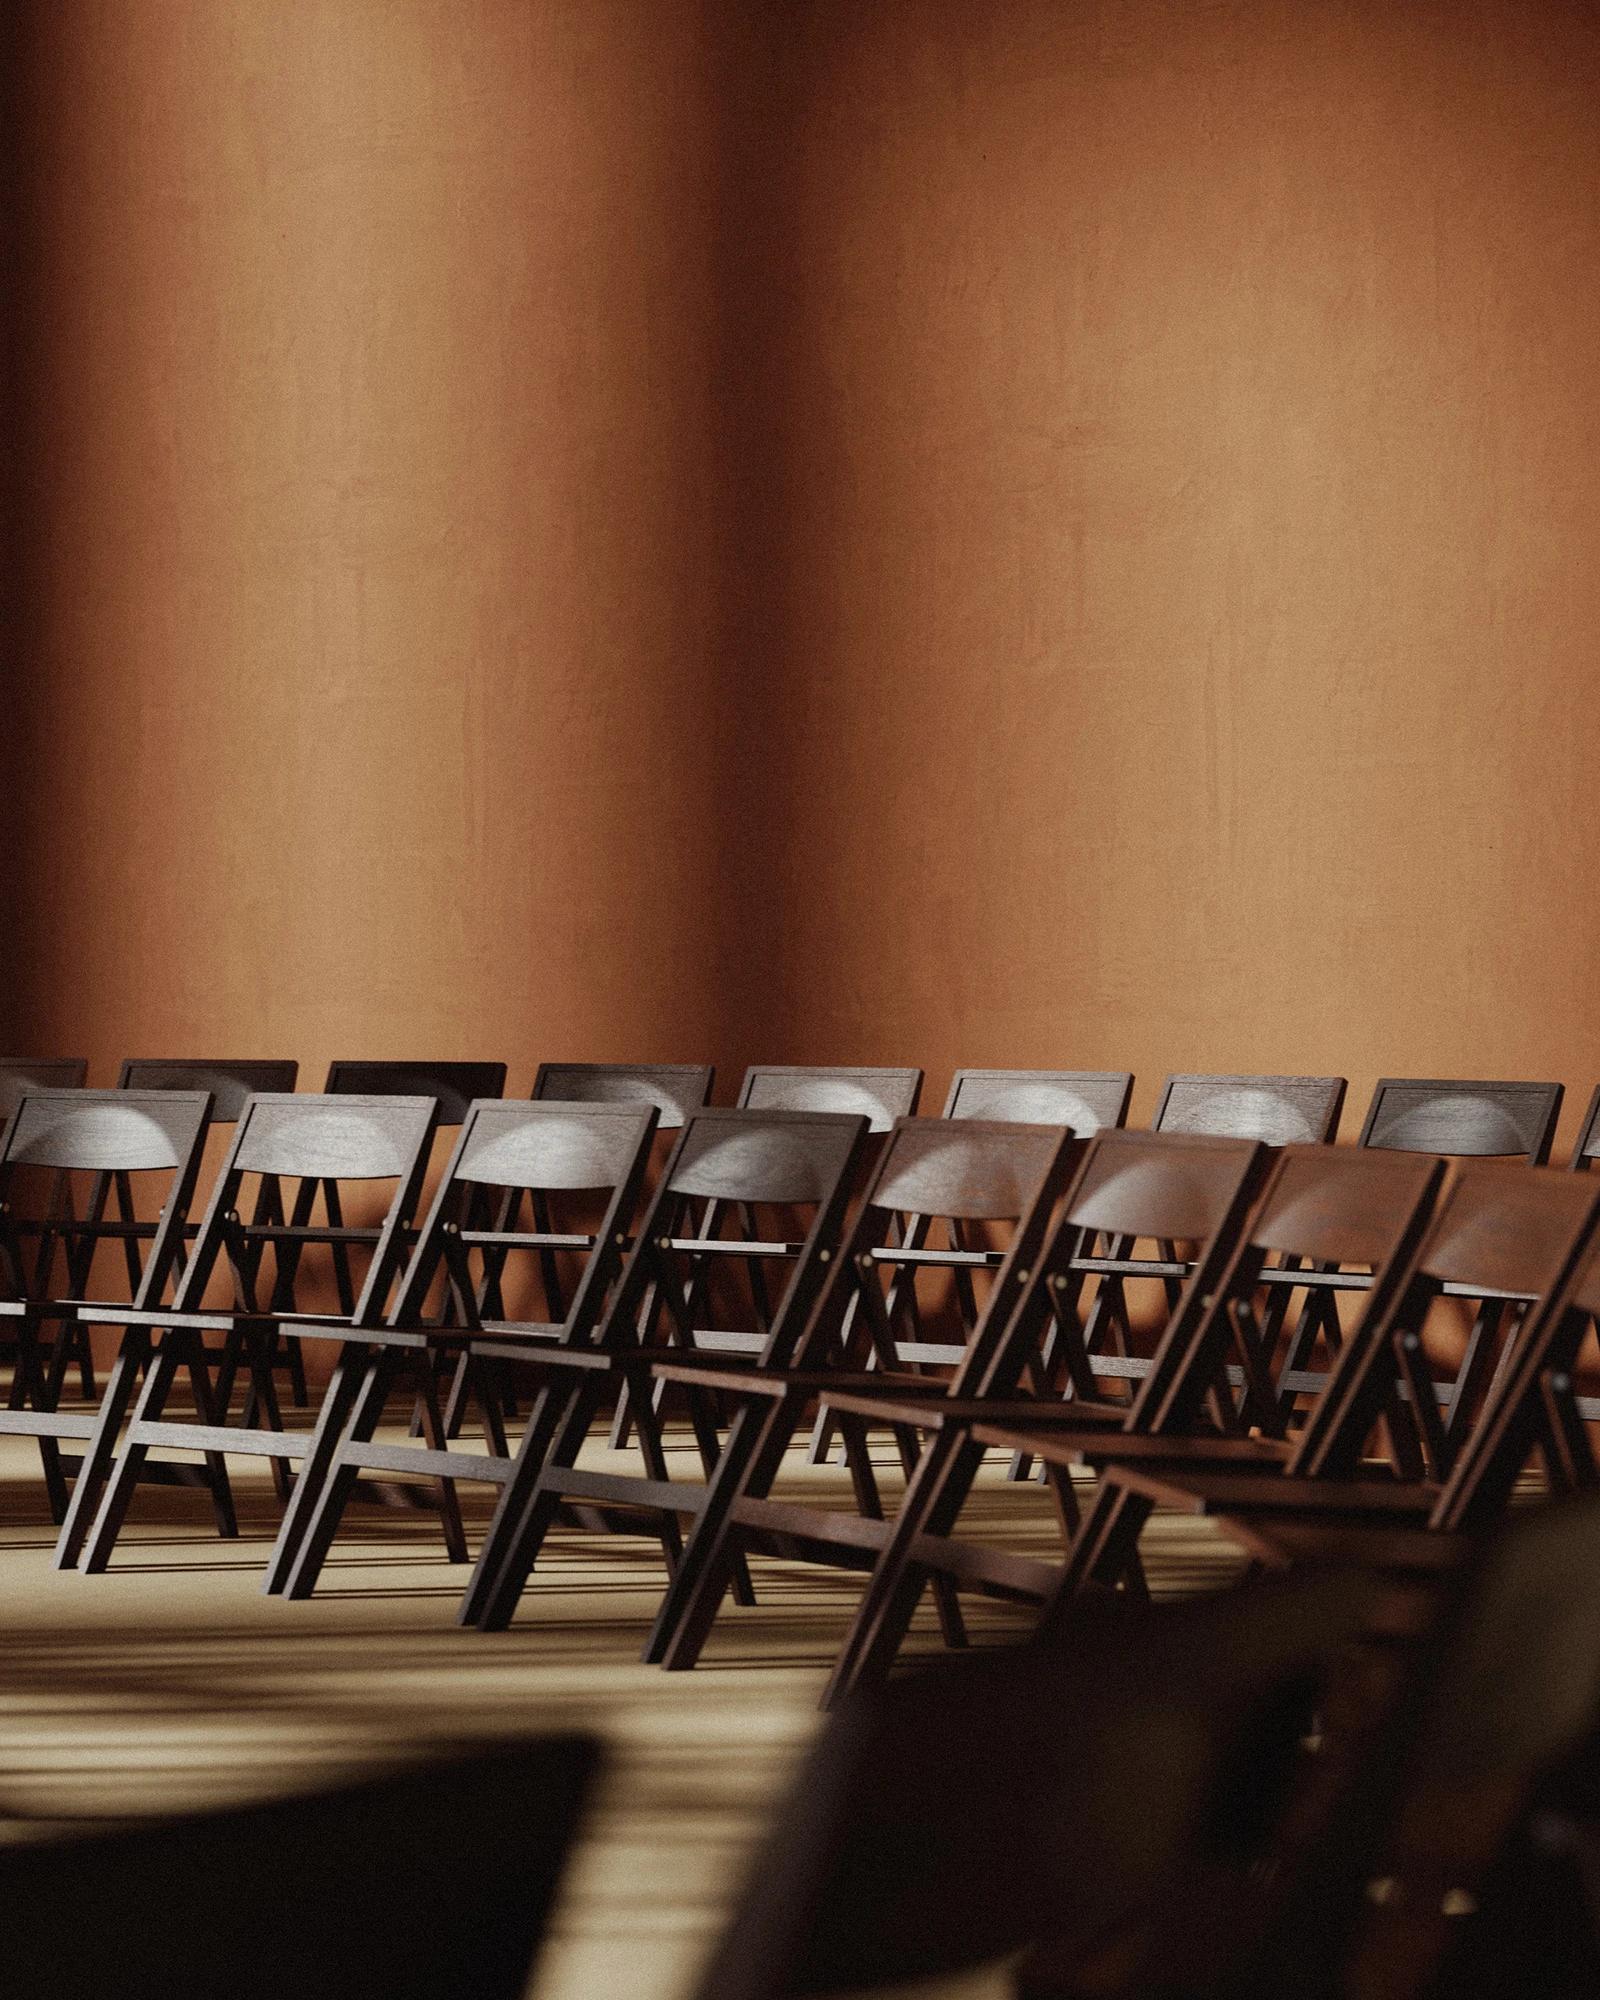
column 1516, row 1233
column 84, row 1135
column 791, row 1173
column 19, row 1074
column 677, row 1090
column 1409, row 1882
column 261, row 1218
column 1004, row 1177
column 1458, row 1119
column 1085, row 1100
column 230, row 1081
column 880, row 1095
column 1131, row 1186
column 453, row 1302
column 1028, row 1805
column 435, row 1882
column 1276, row 1111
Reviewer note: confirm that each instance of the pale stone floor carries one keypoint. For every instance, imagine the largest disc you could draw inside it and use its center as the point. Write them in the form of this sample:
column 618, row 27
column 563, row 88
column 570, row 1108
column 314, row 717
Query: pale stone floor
column 172, row 1682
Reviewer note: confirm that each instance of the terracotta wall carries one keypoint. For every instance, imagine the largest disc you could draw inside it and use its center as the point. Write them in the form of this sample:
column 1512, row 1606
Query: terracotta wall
column 374, row 487
column 992, row 533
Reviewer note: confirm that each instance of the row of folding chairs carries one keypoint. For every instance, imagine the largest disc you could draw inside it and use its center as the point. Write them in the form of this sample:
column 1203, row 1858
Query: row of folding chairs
column 1445, row 1115
column 1046, row 1223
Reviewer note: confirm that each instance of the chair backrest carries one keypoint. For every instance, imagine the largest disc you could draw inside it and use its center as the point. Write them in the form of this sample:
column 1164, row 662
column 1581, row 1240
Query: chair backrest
column 108, row 1133
column 971, row 1170
column 229, row 1081
column 1084, row 1099
column 965, row 1174
column 513, row 1152
column 22, row 1073
column 675, row 1089
column 175, row 1906
column 880, row 1095
column 1277, row 1110
column 1586, row 1147
column 1131, row 1186
column 1462, row 1118
column 746, row 1162
column 299, row 1149
column 452, row 1085
column 948, row 1821
column 1498, row 1229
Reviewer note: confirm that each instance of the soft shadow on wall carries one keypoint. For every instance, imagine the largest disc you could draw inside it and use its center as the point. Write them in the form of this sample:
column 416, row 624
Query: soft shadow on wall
column 375, row 520
column 1015, row 534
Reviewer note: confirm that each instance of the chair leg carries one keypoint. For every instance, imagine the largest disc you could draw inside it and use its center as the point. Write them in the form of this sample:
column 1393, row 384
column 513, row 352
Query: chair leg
column 1104, row 1550
column 436, row 1437
column 169, row 1357
column 752, row 1453
column 101, row 1449
column 558, row 1424
column 352, row 1408
column 932, row 1506
column 710, row 1445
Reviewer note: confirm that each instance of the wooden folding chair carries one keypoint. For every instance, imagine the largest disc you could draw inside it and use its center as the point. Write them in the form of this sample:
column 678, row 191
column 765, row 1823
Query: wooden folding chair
column 1131, row 1186
column 1402, row 1887
column 1459, row 1119
column 288, row 1149
column 792, row 1174
column 1001, row 1176
column 453, row 1301
column 435, row 1882
column 230, row 1081
column 1018, row 1809
column 19, row 1074
column 1518, row 1233
column 677, row 1091
column 1276, row 1111
column 159, row 1138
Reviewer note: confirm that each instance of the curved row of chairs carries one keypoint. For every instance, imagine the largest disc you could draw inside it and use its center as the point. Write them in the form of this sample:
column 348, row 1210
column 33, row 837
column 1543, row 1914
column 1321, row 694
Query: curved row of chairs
column 1234, row 1317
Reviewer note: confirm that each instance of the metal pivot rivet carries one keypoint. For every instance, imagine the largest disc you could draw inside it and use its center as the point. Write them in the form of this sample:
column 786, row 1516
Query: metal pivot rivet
column 823, row 1256
column 663, row 1242
column 621, row 1240
column 1023, row 1275
column 1560, row 1383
